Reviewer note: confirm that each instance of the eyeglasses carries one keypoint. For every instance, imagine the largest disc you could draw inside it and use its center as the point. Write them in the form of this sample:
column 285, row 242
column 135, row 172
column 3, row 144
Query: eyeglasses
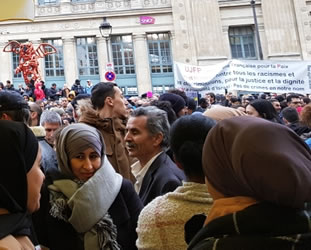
column 296, row 102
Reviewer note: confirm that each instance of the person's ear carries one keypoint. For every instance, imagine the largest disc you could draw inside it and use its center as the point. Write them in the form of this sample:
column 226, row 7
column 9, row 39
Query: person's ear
column 178, row 164
column 5, row 117
column 109, row 101
column 285, row 121
column 33, row 115
column 157, row 139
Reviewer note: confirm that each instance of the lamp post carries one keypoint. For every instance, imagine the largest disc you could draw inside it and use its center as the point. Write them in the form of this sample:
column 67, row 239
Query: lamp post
column 105, row 30
column 253, row 4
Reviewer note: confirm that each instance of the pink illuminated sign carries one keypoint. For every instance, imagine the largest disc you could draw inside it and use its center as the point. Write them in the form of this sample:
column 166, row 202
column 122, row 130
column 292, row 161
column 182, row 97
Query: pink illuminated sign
column 147, row 20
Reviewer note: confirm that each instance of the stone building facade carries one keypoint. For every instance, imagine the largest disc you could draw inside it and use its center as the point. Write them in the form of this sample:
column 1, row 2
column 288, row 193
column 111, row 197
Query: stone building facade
column 149, row 35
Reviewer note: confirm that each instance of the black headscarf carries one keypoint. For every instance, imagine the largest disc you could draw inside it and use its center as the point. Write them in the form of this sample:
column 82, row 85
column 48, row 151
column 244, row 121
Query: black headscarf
column 18, row 151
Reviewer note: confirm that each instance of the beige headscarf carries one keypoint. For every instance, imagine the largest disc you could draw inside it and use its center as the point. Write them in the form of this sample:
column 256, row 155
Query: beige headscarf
column 219, row 113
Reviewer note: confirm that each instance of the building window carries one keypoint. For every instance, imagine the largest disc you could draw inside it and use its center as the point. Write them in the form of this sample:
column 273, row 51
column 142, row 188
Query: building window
column 132, row 90
column 54, row 63
column 162, row 89
column 81, row 1
column 122, row 53
column 160, row 57
column 15, row 60
column 15, row 65
column 242, row 42
column 87, row 56
column 47, row 2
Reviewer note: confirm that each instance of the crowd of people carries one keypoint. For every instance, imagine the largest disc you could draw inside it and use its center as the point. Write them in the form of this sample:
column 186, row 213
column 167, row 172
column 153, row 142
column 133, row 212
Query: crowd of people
column 87, row 168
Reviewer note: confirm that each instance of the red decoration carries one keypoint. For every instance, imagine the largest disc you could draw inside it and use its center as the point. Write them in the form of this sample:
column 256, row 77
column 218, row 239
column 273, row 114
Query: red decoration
column 29, row 58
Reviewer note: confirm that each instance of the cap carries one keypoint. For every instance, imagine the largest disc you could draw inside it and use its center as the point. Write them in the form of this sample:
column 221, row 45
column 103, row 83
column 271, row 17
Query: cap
column 11, row 100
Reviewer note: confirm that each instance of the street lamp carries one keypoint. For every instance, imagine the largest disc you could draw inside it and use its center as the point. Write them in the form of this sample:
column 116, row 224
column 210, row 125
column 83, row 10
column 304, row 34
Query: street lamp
column 253, row 4
column 105, row 30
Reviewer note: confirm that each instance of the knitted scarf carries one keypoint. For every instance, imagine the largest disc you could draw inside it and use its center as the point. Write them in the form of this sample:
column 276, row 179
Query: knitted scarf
column 85, row 206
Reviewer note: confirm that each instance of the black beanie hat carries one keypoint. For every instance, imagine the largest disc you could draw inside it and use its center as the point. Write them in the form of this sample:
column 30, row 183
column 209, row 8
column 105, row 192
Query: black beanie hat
column 177, row 102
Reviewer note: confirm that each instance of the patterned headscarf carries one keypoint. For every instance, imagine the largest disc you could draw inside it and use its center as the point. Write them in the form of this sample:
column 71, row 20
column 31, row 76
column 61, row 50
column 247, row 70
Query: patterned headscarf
column 247, row 156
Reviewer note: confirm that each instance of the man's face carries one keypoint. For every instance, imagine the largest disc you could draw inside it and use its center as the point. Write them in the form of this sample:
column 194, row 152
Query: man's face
column 277, row 106
column 251, row 111
column 209, row 99
column 50, row 128
column 295, row 103
column 182, row 112
column 53, row 86
column 64, row 103
column 119, row 104
column 139, row 142
column 89, row 83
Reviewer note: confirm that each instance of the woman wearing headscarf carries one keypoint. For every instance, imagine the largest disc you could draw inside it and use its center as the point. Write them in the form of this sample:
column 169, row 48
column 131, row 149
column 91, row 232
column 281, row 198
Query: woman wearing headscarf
column 20, row 183
column 259, row 175
column 263, row 109
column 91, row 206
column 219, row 113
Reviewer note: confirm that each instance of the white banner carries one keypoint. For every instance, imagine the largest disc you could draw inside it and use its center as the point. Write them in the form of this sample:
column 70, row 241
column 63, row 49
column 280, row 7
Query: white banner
column 245, row 75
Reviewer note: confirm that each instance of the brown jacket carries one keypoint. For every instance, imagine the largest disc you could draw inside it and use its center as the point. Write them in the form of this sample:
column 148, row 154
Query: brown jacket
column 113, row 131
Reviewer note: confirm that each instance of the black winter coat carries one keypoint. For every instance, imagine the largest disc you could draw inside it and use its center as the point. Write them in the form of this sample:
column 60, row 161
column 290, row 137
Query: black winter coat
column 60, row 235
column 261, row 226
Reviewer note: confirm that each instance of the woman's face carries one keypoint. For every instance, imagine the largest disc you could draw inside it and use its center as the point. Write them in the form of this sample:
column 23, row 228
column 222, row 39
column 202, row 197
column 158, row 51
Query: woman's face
column 85, row 164
column 250, row 110
column 35, row 178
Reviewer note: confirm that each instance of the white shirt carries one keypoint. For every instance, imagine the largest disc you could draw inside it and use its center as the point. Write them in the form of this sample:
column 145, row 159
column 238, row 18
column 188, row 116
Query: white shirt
column 140, row 171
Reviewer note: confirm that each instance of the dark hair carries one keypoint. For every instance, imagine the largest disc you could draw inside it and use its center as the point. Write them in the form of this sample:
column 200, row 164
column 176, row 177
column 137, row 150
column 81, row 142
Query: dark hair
column 280, row 98
column 191, row 104
column 187, row 136
column 180, row 93
column 290, row 97
column 211, row 94
column 202, row 100
column 290, row 114
column 265, row 110
column 306, row 100
column 21, row 115
column 235, row 99
column 167, row 107
column 74, row 102
column 100, row 92
column 273, row 100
